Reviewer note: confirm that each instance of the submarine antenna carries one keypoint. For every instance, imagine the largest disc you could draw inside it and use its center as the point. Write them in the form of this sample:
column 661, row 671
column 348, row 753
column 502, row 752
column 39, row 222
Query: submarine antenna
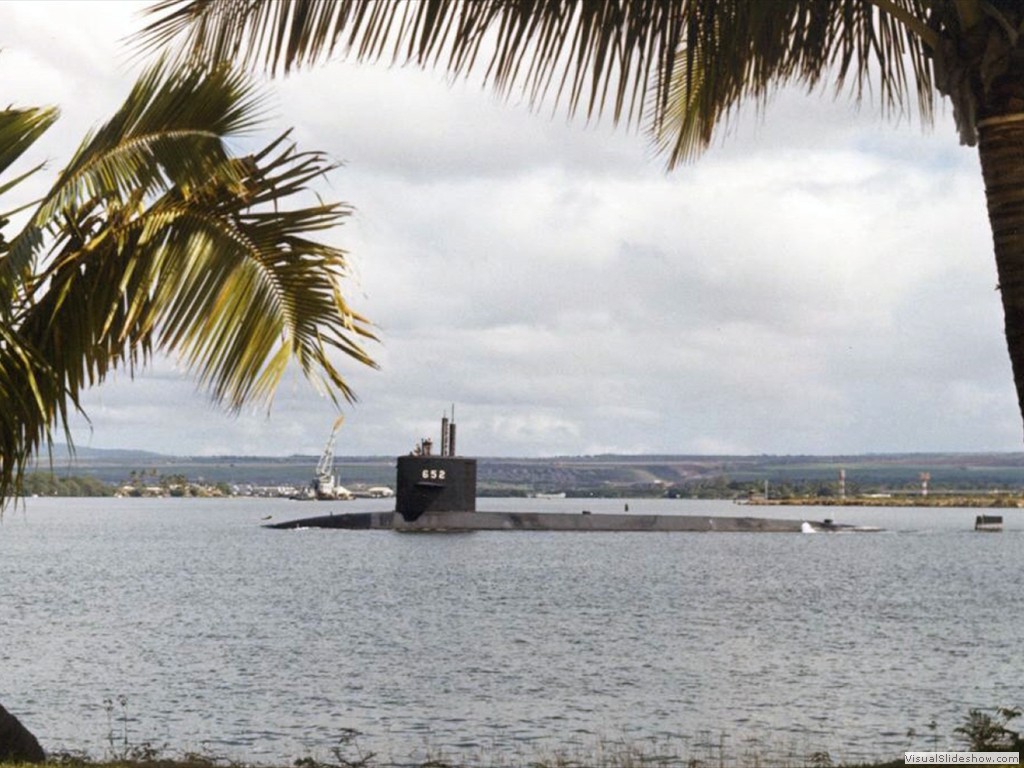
column 451, row 433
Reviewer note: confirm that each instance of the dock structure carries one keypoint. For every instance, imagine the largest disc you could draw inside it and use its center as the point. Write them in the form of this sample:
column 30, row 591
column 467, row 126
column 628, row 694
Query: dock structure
column 437, row 493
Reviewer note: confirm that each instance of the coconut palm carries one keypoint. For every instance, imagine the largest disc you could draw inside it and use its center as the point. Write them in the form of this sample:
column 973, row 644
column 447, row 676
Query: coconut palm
column 680, row 68
column 156, row 239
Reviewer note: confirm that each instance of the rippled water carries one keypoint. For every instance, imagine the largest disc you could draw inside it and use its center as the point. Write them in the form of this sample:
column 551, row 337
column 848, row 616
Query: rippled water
column 225, row 637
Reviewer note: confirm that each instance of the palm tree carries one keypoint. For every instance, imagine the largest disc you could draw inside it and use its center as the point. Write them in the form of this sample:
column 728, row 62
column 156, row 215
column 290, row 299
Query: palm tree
column 156, row 238
column 680, row 68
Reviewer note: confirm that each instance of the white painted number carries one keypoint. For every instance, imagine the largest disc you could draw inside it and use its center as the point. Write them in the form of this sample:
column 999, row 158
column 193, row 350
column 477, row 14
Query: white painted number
column 433, row 474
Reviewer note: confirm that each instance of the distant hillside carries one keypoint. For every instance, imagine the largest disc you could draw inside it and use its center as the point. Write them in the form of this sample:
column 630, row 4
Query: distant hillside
column 705, row 474
column 118, row 466
column 61, row 453
column 591, row 475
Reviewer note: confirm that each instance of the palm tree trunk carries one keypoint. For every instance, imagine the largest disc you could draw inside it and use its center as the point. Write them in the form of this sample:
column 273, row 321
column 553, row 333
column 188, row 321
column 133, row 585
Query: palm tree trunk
column 1001, row 149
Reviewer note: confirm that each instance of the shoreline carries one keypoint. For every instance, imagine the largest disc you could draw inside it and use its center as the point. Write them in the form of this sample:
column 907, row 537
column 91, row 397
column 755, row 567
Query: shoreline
column 612, row 756
column 955, row 502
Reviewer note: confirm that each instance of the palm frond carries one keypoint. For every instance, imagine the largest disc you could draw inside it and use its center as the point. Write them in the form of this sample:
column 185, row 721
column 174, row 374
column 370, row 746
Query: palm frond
column 681, row 67
column 7, row 186
column 735, row 52
column 222, row 275
column 156, row 238
column 33, row 398
column 170, row 131
column 253, row 289
column 19, row 130
column 597, row 55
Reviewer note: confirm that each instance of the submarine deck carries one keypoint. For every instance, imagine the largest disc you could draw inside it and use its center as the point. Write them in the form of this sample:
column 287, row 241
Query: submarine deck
column 456, row 521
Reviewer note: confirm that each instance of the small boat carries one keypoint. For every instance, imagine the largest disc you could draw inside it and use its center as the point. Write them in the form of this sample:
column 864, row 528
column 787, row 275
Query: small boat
column 988, row 523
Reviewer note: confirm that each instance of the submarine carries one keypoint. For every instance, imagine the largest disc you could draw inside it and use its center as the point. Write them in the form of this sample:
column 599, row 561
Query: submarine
column 437, row 493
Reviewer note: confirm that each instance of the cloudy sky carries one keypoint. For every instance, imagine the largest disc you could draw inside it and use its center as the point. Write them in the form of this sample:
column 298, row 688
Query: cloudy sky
column 822, row 281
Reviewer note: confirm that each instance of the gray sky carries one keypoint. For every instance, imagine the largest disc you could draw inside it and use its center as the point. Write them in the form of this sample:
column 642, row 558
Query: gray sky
column 822, row 281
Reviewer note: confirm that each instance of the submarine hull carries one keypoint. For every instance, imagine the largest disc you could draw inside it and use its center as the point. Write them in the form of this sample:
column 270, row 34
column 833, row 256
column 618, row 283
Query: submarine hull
column 354, row 521
column 438, row 493
column 555, row 521
column 461, row 521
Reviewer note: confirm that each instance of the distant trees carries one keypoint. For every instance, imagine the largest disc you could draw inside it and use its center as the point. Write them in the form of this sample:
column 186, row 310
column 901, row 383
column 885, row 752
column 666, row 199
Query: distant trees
column 138, row 484
column 51, row 484
column 721, row 487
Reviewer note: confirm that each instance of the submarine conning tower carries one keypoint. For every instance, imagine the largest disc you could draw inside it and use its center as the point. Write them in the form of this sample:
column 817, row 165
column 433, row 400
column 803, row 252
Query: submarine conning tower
column 429, row 482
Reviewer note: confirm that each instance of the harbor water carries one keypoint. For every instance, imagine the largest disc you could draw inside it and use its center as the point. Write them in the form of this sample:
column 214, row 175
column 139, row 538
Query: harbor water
column 186, row 626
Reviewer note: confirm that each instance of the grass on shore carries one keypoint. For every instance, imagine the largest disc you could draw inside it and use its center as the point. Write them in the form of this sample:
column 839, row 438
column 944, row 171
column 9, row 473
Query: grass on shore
column 982, row 730
column 626, row 758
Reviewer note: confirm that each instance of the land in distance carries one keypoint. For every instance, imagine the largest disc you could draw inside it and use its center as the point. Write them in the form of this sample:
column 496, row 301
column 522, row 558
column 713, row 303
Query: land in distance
column 686, row 476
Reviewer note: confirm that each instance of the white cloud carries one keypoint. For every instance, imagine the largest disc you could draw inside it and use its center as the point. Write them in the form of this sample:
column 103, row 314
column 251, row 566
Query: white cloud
column 820, row 281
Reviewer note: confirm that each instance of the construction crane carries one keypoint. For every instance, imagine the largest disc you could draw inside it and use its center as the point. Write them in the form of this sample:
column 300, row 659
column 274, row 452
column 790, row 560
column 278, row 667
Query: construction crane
column 324, row 486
